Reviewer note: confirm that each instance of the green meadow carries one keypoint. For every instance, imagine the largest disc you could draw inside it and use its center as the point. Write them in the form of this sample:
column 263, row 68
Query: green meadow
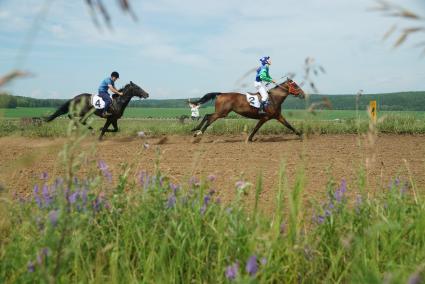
column 138, row 112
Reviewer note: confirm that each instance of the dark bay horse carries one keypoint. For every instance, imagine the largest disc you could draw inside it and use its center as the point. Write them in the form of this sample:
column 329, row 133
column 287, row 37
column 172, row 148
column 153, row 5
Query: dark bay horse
column 227, row 102
column 83, row 108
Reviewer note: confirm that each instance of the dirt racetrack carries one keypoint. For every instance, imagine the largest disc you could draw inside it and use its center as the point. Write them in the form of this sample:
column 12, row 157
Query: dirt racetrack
column 228, row 158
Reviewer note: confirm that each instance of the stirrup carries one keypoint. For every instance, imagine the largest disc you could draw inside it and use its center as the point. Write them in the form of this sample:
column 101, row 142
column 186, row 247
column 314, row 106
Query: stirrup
column 106, row 114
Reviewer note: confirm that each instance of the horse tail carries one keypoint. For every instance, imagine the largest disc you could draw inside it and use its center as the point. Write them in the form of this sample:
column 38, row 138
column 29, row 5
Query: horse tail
column 206, row 98
column 62, row 110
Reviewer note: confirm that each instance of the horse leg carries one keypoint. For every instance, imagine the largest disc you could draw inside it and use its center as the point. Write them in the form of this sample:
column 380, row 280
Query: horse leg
column 211, row 118
column 83, row 121
column 105, row 128
column 115, row 125
column 259, row 124
column 282, row 120
column 202, row 123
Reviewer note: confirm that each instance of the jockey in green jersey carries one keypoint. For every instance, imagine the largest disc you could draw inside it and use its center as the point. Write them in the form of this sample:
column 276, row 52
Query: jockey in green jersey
column 262, row 78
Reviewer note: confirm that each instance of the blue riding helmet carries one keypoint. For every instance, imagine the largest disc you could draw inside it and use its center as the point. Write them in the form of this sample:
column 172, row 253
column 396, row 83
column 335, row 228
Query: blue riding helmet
column 264, row 60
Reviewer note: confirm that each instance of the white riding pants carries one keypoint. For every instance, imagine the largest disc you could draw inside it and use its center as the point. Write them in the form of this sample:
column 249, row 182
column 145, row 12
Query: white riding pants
column 262, row 89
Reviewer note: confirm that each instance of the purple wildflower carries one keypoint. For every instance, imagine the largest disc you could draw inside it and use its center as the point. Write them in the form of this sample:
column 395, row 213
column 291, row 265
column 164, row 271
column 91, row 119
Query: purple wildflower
column 232, row 271
column 58, row 182
column 339, row 193
column 161, row 181
column 73, row 197
column 359, row 202
column 415, row 278
column 144, row 179
column 31, row 266
column 241, row 185
column 211, row 178
column 42, row 255
column 171, row 201
column 53, row 216
column 84, row 196
column 105, row 170
column 203, row 209
column 174, row 187
column 404, row 188
column 252, row 265
column 194, row 181
column 397, row 181
column 320, row 219
column 207, row 199
column 46, row 195
column 263, row 261
column 37, row 197
column 328, row 213
column 98, row 202
column 44, row 176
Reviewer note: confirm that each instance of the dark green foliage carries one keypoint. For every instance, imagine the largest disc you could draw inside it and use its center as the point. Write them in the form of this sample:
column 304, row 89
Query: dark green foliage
column 7, row 101
column 402, row 101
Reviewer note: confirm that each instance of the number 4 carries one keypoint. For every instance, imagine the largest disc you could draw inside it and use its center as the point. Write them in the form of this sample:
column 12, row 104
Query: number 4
column 97, row 103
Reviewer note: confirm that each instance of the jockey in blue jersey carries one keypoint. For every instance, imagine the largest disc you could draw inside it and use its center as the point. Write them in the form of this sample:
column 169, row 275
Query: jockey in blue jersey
column 105, row 85
column 261, row 80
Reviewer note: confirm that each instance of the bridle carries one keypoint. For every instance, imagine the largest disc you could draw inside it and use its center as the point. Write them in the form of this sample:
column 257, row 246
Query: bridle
column 293, row 88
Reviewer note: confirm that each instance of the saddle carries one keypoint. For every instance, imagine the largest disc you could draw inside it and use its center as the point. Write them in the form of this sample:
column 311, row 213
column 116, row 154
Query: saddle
column 253, row 99
column 97, row 102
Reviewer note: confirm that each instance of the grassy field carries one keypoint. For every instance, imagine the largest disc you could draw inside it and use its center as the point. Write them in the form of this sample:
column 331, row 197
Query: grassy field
column 164, row 121
column 177, row 112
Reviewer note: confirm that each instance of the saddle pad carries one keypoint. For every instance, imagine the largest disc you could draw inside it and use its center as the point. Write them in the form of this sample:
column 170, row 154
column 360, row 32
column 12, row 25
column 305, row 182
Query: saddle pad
column 253, row 100
column 97, row 102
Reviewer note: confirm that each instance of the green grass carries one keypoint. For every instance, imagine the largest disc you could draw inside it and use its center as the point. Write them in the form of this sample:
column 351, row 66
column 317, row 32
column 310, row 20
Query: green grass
column 396, row 124
column 177, row 112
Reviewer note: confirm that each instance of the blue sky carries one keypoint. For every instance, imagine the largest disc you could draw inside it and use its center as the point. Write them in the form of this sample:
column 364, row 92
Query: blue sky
column 181, row 49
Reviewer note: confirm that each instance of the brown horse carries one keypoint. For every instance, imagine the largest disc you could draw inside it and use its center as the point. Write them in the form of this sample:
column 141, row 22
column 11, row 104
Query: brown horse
column 227, row 102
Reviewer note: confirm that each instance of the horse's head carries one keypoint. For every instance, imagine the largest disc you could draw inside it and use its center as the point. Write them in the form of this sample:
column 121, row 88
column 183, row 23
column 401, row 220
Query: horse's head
column 293, row 89
column 136, row 91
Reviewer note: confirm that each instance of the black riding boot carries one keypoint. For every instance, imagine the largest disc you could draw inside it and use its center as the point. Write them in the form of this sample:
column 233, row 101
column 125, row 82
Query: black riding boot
column 262, row 109
column 106, row 113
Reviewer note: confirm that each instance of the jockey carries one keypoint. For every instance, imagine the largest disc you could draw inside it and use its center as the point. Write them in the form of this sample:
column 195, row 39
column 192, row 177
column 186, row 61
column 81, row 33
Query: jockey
column 261, row 79
column 105, row 85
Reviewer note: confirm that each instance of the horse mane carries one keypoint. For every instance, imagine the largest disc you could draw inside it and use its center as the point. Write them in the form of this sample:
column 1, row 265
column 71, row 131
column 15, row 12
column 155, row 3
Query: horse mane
column 125, row 87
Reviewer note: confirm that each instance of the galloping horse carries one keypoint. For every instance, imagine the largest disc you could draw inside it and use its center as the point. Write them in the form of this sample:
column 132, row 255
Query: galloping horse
column 82, row 104
column 227, row 102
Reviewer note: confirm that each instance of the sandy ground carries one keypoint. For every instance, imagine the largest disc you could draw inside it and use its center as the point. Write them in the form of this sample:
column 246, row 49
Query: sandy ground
column 229, row 158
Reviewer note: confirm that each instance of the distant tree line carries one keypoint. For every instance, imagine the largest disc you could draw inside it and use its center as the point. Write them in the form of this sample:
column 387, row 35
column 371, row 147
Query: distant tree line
column 404, row 101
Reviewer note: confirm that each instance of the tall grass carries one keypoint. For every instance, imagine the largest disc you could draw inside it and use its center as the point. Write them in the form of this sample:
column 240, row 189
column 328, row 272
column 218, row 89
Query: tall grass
column 397, row 124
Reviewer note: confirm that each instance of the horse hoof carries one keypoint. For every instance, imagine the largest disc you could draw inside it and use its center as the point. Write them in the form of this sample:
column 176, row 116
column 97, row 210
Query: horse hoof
column 197, row 133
